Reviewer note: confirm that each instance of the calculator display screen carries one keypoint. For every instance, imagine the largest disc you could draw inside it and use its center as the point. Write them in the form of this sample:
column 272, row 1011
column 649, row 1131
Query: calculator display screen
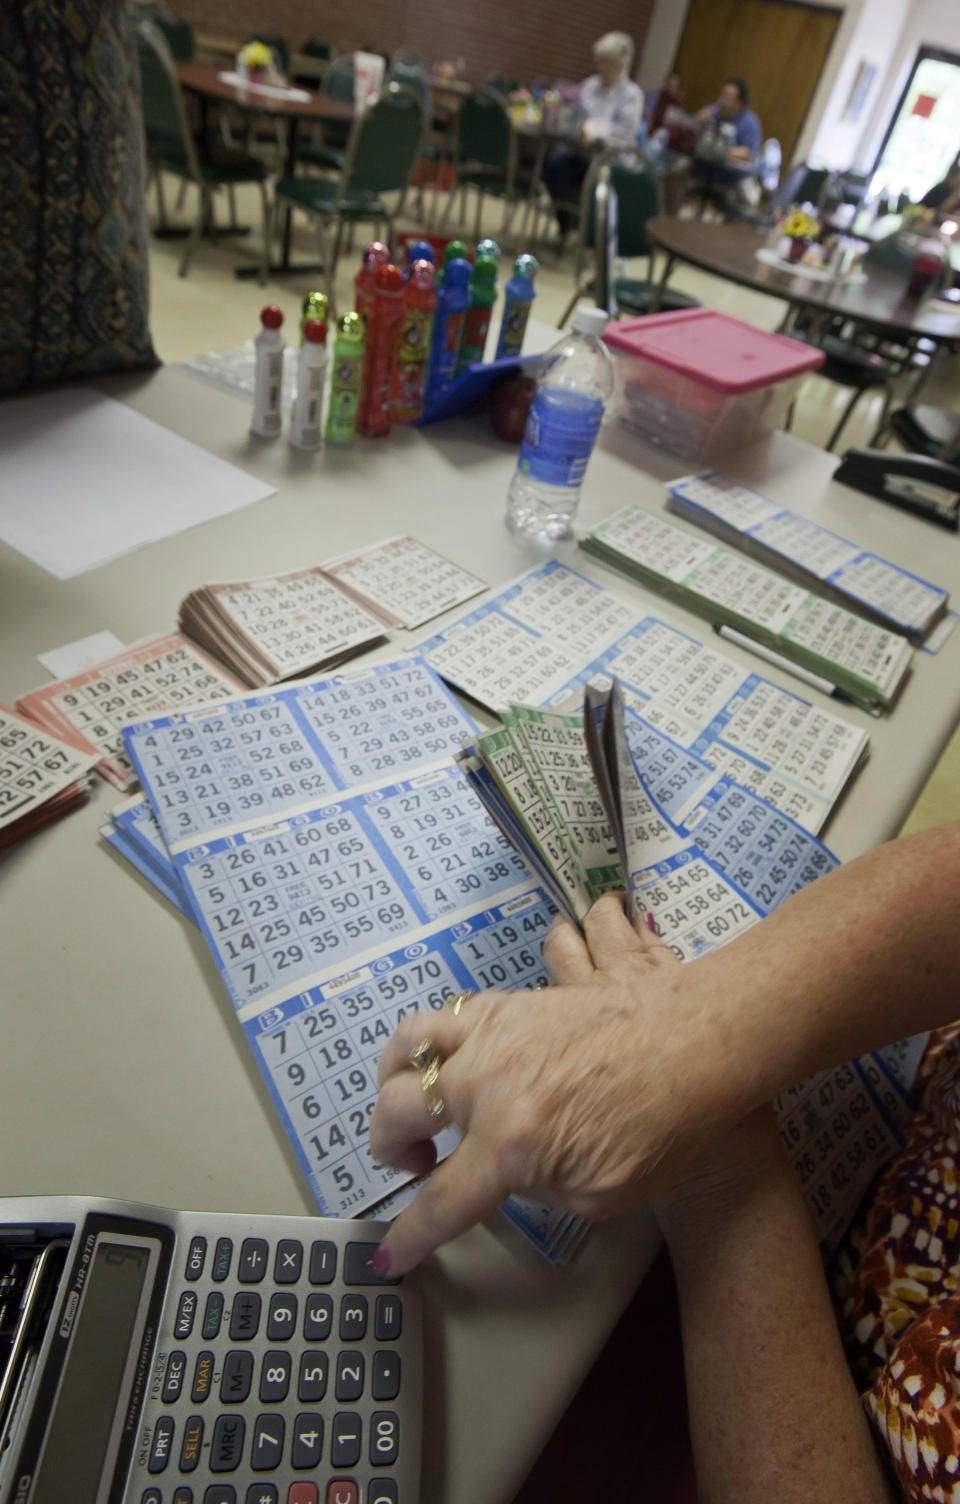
column 90, row 1392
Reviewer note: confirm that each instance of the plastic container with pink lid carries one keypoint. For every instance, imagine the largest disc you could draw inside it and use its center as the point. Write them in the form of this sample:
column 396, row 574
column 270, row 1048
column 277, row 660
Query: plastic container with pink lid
column 699, row 383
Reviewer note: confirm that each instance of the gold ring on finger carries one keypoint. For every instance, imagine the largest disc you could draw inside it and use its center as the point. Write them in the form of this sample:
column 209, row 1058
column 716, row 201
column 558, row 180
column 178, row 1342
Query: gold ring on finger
column 422, row 1055
column 430, row 1086
column 457, row 1001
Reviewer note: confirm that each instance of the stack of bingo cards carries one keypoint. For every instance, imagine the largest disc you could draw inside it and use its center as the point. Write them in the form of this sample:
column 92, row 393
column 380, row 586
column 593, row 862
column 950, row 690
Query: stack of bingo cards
column 90, row 709
column 41, row 777
column 280, row 626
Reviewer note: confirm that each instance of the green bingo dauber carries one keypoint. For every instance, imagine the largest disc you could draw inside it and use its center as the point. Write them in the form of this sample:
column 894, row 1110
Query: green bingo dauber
column 346, row 379
column 454, row 250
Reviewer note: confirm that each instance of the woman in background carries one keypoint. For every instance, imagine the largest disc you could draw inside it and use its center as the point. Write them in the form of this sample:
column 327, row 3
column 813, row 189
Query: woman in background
column 944, row 197
column 613, row 109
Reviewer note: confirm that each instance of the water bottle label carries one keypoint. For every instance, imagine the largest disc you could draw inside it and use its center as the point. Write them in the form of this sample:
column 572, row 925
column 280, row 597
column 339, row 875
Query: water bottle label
column 559, row 439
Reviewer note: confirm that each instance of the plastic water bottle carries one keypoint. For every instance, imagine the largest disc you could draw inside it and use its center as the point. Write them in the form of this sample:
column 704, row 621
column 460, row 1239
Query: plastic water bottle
column 575, row 381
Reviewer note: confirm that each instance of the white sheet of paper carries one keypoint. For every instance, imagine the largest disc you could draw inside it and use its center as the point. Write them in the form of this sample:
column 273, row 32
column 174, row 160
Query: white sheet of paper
column 86, row 480
column 85, row 653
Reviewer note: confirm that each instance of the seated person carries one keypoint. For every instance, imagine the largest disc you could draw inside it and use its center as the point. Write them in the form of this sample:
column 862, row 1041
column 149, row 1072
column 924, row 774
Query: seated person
column 944, row 197
column 728, row 141
column 613, row 109
column 671, row 129
column 672, row 96
column 634, row 1079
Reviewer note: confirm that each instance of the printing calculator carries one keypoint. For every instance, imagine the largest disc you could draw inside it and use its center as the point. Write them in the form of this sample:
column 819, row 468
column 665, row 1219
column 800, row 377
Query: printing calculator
column 169, row 1357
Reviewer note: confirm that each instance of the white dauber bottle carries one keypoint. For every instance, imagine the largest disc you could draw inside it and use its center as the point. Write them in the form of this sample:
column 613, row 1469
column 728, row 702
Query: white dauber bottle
column 305, row 429
column 268, row 375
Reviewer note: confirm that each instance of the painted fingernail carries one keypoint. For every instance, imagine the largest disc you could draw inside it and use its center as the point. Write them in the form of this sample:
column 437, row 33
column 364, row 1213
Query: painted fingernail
column 650, row 922
column 380, row 1261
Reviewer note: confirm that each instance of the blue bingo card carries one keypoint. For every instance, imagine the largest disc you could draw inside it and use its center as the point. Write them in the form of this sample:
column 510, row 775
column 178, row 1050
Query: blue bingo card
column 264, row 756
column 544, row 637
column 280, row 904
column 765, row 853
column 318, row 1048
column 723, row 858
column 888, row 593
column 757, row 847
column 790, row 752
column 527, row 641
column 137, row 824
column 170, row 889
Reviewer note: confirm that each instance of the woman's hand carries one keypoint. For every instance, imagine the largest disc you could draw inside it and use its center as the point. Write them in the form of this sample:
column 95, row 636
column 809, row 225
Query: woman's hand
column 588, row 1094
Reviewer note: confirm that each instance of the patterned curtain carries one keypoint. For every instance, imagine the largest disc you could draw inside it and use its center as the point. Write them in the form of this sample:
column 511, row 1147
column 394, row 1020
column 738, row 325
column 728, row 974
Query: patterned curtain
column 73, row 260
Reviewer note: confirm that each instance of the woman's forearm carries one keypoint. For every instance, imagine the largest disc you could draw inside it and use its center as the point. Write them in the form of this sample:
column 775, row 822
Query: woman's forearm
column 868, row 954
column 773, row 1410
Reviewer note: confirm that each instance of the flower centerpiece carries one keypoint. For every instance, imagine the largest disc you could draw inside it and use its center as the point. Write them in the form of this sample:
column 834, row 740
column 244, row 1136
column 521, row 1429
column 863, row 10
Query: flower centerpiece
column 918, row 217
column 523, row 106
column 799, row 231
column 255, row 63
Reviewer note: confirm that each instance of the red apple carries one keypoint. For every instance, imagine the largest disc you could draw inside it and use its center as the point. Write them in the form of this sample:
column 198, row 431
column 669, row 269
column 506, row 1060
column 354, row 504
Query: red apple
column 508, row 404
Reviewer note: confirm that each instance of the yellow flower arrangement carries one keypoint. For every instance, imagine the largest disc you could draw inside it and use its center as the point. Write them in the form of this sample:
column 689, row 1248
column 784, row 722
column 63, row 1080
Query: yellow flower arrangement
column 256, row 55
column 800, row 225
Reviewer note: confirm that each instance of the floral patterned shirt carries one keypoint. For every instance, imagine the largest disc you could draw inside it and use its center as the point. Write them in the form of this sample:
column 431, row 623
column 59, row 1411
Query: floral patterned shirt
column 896, row 1287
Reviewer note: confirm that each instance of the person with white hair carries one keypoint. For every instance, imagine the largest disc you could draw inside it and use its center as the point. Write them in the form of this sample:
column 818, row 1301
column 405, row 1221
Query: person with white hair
column 613, row 109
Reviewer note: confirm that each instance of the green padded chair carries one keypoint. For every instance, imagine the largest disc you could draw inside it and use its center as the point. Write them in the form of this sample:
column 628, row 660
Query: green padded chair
column 800, row 184
column 318, row 48
column 863, row 360
column 179, row 37
column 322, row 52
column 328, row 154
column 383, row 147
column 172, row 148
column 638, row 199
column 502, row 83
column 927, row 430
column 484, row 157
column 436, row 146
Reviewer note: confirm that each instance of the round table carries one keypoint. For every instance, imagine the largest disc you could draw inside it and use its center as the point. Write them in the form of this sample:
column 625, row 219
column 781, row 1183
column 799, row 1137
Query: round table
column 730, row 251
column 206, row 81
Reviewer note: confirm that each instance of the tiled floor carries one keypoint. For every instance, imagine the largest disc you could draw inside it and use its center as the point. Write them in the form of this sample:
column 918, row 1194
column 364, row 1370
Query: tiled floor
column 210, row 309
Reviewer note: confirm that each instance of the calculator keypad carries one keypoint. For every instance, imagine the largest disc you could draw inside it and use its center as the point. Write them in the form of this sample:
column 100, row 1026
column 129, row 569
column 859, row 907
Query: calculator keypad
column 280, row 1379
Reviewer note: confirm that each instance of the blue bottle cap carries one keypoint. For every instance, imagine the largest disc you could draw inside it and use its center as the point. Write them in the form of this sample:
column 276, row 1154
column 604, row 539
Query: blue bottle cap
column 458, row 273
column 421, row 250
column 526, row 266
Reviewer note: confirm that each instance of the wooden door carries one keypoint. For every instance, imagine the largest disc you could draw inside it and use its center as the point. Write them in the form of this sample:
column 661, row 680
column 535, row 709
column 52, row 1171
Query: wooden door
column 778, row 47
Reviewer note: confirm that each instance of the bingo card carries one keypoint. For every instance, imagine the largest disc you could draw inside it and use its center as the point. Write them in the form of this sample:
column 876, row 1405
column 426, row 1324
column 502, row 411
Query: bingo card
column 39, row 775
column 91, row 709
column 405, row 582
column 545, row 636
column 253, row 759
column 279, row 627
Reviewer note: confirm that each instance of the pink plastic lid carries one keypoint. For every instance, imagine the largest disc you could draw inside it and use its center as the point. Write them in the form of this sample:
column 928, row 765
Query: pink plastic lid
column 712, row 348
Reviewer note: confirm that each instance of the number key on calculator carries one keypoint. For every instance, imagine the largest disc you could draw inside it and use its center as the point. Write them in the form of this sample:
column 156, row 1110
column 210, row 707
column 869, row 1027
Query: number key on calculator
column 167, row 1357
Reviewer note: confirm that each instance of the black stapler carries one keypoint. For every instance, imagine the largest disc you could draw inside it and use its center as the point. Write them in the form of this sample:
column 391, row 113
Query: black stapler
column 926, row 487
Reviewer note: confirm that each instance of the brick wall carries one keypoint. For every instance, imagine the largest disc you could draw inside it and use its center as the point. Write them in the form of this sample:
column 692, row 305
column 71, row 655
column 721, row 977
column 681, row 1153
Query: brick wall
column 524, row 38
